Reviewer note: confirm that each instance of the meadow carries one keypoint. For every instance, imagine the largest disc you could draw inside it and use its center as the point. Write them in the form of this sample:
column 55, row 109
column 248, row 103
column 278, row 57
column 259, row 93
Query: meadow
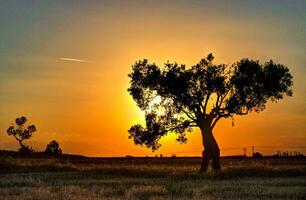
column 76, row 177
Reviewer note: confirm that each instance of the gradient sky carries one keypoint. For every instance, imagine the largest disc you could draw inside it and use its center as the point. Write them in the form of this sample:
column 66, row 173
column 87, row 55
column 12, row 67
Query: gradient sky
column 64, row 65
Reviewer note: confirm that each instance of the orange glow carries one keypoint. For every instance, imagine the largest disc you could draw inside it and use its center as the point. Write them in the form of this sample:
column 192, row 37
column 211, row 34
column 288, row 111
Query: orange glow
column 85, row 105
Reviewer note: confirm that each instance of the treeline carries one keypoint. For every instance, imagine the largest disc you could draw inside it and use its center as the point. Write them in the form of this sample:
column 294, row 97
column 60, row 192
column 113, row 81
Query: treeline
column 289, row 154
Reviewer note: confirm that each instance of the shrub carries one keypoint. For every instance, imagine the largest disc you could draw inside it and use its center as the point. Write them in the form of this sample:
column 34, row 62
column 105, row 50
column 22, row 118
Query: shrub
column 25, row 150
column 53, row 148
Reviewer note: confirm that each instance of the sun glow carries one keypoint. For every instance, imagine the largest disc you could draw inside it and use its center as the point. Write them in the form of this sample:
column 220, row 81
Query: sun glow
column 82, row 102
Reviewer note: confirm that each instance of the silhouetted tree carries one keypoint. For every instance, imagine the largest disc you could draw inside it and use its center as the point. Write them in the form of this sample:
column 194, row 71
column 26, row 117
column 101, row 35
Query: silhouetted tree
column 176, row 98
column 53, row 148
column 21, row 133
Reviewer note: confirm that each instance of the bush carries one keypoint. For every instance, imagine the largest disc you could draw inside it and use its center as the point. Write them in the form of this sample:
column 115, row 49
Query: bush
column 53, row 148
column 25, row 150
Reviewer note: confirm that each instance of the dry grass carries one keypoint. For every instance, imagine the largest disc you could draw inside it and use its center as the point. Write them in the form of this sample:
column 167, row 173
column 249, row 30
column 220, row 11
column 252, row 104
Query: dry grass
column 135, row 178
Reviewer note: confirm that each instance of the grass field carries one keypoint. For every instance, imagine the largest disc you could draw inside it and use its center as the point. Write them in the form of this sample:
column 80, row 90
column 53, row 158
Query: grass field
column 150, row 178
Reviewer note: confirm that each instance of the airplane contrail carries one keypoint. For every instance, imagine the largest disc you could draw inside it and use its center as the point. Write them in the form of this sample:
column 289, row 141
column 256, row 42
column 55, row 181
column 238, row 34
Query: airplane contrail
column 74, row 60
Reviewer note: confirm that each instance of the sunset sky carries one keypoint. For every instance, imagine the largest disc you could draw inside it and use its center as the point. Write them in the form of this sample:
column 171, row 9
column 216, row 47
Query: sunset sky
column 64, row 65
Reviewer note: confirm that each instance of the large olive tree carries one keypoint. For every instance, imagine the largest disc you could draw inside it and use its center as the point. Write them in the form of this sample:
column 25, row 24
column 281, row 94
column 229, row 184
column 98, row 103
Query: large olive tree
column 176, row 98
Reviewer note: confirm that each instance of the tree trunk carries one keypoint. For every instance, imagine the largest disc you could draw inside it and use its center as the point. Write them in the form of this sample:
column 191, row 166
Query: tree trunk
column 21, row 145
column 211, row 149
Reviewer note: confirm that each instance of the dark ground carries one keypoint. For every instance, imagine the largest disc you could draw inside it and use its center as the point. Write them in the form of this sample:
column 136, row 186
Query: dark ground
column 76, row 177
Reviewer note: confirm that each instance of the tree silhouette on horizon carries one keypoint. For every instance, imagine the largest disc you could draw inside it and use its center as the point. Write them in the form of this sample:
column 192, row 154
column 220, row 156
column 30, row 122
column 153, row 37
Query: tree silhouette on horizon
column 177, row 99
column 21, row 133
column 53, row 148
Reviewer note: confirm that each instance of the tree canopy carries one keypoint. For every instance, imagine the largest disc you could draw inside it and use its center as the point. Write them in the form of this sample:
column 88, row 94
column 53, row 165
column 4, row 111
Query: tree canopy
column 53, row 148
column 176, row 98
column 21, row 132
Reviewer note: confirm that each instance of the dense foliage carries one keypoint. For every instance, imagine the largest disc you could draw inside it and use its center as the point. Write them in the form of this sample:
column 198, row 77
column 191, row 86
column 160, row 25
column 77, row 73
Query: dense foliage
column 53, row 148
column 176, row 98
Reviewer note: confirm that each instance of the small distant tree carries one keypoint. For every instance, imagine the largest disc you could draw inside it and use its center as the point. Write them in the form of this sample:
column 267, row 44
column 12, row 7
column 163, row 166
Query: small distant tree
column 176, row 99
column 22, row 132
column 53, row 148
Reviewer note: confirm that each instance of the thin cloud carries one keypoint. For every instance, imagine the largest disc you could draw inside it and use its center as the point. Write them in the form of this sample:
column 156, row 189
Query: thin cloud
column 74, row 60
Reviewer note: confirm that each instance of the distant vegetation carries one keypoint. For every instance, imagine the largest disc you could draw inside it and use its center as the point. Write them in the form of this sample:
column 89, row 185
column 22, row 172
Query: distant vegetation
column 53, row 148
column 22, row 132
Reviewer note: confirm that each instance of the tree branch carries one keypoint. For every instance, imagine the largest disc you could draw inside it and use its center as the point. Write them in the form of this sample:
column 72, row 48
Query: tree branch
column 178, row 126
column 206, row 102
column 243, row 113
column 19, row 140
column 217, row 102
column 188, row 115
column 215, row 122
